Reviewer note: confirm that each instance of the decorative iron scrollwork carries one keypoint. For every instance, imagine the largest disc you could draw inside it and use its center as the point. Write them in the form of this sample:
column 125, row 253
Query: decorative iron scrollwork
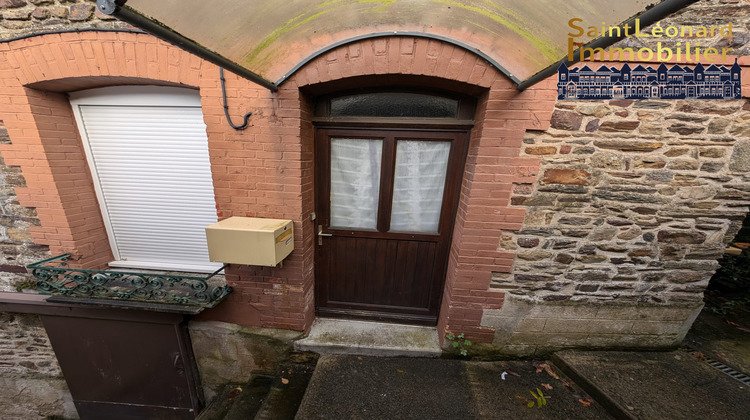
column 54, row 277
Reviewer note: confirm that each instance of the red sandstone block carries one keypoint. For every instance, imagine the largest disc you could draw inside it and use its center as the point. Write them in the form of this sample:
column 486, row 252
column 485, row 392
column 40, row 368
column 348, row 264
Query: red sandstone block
column 419, row 54
column 493, row 79
column 379, row 64
column 477, row 72
column 455, row 64
column 333, row 70
column 444, row 60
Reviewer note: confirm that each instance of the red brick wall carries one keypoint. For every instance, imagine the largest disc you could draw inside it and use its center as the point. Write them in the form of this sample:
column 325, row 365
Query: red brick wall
column 256, row 172
column 492, row 167
column 266, row 170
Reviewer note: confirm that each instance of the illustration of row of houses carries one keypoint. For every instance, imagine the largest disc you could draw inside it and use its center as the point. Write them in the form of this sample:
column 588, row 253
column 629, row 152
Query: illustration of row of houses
column 676, row 82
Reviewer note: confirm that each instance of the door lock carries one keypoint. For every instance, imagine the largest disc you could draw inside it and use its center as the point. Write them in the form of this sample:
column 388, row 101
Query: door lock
column 321, row 234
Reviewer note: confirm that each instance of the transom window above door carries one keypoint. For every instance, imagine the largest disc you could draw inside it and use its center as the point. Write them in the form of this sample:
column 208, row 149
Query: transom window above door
column 396, row 105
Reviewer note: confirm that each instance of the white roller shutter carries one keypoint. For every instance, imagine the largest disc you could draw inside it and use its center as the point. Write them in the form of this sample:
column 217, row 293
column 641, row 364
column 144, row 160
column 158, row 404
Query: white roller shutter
column 148, row 152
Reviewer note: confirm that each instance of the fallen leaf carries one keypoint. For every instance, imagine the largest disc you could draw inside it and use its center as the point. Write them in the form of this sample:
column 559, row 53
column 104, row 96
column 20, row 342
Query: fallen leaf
column 738, row 326
column 400, row 371
column 584, row 402
column 550, row 372
column 359, row 357
column 547, row 386
column 284, row 381
column 513, row 372
column 539, row 366
column 235, row 392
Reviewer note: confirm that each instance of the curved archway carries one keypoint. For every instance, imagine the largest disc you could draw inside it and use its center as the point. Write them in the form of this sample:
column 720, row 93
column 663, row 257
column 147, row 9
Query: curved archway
column 416, row 35
column 493, row 164
column 36, row 73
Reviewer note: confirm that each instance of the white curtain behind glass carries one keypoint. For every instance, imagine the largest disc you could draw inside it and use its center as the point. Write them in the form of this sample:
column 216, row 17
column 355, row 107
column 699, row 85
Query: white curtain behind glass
column 418, row 185
column 355, row 182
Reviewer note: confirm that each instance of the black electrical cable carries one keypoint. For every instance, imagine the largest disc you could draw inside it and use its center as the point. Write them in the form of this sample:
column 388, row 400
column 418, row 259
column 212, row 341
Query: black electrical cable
column 226, row 107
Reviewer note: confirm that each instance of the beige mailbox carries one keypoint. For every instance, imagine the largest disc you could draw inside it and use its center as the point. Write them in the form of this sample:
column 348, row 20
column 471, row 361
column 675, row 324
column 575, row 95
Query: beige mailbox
column 250, row 240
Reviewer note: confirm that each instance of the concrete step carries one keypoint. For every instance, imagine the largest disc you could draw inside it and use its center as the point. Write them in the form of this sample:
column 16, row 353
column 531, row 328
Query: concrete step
column 265, row 397
column 656, row 385
column 339, row 336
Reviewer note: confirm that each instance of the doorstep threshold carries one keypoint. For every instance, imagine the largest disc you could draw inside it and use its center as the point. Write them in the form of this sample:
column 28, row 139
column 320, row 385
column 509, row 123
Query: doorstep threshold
column 343, row 336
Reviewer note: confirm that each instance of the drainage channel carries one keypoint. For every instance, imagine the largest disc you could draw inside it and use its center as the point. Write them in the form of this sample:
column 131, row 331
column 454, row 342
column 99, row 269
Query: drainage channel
column 731, row 372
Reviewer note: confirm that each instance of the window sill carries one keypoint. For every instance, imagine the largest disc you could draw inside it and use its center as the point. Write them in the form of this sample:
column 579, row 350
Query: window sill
column 206, row 268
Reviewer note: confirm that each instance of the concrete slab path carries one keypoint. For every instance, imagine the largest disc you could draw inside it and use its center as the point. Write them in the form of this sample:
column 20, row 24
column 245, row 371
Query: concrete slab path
column 366, row 387
column 656, row 385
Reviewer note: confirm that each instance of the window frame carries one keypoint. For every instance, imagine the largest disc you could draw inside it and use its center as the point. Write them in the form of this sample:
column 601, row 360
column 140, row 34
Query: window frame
column 140, row 95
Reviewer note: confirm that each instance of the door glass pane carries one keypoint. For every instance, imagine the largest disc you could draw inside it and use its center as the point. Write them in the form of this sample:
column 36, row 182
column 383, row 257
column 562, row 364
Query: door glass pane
column 418, row 185
column 355, row 182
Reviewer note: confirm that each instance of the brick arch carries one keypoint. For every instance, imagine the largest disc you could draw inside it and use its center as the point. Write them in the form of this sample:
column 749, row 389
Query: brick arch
column 493, row 167
column 34, row 74
column 94, row 54
column 401, row 55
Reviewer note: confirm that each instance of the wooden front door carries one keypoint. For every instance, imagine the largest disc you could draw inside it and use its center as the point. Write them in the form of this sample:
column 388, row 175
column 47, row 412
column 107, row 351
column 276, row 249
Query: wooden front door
column 386, row 202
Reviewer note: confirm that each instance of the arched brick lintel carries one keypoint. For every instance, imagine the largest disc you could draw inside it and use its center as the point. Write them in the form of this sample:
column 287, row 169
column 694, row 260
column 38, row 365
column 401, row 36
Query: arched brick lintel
column 391, row 35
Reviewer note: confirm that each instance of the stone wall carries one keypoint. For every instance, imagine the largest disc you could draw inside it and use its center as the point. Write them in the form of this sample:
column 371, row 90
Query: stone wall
column 634, row 203
column 704, row 13
column 31, row 384
column 16, row 246
column 230, row 353
column 20, row 18
column 530, row 328
column 24, row 17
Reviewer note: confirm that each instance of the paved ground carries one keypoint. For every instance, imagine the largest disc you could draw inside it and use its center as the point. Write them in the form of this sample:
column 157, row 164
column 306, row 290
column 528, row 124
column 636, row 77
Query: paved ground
column 636, row 385
column 722, row 341
column 366, row 387
column 574, row 385
column 656, row 385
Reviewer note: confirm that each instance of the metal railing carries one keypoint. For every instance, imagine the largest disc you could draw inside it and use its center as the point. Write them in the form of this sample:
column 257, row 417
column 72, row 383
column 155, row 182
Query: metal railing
column 54, row 277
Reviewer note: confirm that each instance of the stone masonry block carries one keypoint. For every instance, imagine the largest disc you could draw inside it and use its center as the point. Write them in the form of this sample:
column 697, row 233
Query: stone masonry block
column 604, row 340
column 680, row 313
column 81, row 12
column 589, row 326
column 11, row 4
column 531, row 324
column 567, row 311
column 35, row 398
column 629, row 312
column 657, row 327
column 549, row 340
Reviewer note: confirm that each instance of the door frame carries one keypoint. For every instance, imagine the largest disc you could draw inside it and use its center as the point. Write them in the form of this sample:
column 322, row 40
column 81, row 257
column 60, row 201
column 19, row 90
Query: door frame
column 461, row 130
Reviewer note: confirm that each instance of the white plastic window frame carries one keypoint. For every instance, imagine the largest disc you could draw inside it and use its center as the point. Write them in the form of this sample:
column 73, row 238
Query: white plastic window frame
column 140, row 95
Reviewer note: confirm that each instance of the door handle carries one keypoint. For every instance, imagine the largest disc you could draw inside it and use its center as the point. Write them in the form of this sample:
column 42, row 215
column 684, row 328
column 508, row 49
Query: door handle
column 321, row 234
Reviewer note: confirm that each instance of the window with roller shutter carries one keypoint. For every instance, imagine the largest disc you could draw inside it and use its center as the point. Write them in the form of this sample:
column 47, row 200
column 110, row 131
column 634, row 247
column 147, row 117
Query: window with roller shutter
column 148, row 153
